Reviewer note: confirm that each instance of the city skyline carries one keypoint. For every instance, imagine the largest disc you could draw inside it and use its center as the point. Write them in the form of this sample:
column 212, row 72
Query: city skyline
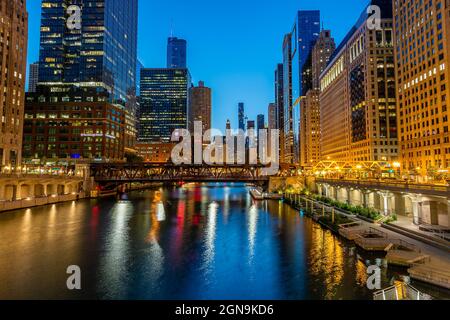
column 217, row 58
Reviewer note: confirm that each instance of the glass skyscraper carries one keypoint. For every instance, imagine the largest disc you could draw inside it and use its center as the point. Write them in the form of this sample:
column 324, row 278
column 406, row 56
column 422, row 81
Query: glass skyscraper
column 304, row 34
column 164, row 103
column 176, row 53
column 101, row 54
column 241, row 116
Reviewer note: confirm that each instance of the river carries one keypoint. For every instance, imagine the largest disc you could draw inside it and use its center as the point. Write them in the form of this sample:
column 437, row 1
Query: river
column 199, row 241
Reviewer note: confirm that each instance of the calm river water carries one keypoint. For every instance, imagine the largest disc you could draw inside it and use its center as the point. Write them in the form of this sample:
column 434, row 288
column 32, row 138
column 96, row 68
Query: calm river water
column 195, row 242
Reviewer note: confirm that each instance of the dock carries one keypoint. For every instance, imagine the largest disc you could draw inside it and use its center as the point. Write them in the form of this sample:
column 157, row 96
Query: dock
column 353, row 230
column 373, row 240
column 431, row 271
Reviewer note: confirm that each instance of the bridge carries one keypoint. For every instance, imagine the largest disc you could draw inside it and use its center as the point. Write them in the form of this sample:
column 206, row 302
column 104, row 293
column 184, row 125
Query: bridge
column 120, row 173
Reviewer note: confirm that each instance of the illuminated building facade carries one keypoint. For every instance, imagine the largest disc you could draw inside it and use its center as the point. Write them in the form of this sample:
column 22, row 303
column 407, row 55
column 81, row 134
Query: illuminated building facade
column 86, row 78
column 155, row 152
column 200, row 106
column 75, row 130
column 310, row 131
column 422, row 47
column 357, row 99
column 287, row 124
column 33, row 74
column 13, row 56
column 163, row 104
column 279, row 103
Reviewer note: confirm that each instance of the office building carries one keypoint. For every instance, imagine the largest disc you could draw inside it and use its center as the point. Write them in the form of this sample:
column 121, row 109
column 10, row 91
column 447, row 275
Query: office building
column 279, row 102
column 357, row 98
column 287, row 124
column 310, row 131
column 260, row 122
column 13, row 64
column 422, row 48
column 102, row 53
column 33, row 74
column 86, row 78
column 241, row 116
column 176, row 53
column 164, row 103
column 200, row 106
column 272, row 120
column 77, row 129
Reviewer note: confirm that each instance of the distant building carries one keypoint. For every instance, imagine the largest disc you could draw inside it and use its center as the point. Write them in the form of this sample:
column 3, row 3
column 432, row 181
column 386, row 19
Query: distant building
column 310, row 131
column 241, row 116
column 163, row 104
column 200, row 106
column 251, row 125
column 228, row 125
column 279, row 102
column 155, row 152
column 287, row 124
column 260, row 122
column 272, row 112
column 13, row 40
column 176, row 53
column 33, row 77
column 303, row 37
column 139, row 67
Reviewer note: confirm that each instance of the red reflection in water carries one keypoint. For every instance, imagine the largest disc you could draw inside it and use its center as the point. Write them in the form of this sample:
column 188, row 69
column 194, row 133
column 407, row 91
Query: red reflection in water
column 95, row 216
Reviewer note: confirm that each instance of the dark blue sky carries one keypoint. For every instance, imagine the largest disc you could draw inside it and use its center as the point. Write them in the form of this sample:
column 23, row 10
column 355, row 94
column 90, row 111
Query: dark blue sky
column 233, row 45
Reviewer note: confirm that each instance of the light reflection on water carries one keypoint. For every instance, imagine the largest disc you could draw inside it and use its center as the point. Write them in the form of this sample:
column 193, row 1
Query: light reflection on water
column 194, row 242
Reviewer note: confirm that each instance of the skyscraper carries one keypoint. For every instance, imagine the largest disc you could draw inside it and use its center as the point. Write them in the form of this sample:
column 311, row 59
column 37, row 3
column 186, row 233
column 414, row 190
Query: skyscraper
column 200, row 106
column 272, row 112
column 164, row 103
column 310, row 132
column 422, row 75
column 14, row 27
column 260, row 122
column 100, row 53
column 357, row 95
column 303, row 37
column 85, row 102
column 279, row 102
column 241, row 116
column 176, row 53
column 33, row 74
column 287, row 125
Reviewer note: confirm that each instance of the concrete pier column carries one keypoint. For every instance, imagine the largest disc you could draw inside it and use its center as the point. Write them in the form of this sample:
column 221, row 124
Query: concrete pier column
column 417, row 209
column 385, row 197
column 326, row 188
column 400, row 205
column 365, row 198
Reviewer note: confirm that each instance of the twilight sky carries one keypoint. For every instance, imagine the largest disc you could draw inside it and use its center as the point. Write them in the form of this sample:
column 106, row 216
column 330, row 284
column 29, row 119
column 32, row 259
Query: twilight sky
column 233, row 45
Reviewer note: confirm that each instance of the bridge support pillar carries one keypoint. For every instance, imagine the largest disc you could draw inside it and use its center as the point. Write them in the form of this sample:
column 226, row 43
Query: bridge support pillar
column 385, row 196
column 365, row 198
column 417, row 208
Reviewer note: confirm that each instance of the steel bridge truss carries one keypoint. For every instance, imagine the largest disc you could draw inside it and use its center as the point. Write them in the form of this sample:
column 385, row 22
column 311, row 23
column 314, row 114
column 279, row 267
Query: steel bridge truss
column 144, row 172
